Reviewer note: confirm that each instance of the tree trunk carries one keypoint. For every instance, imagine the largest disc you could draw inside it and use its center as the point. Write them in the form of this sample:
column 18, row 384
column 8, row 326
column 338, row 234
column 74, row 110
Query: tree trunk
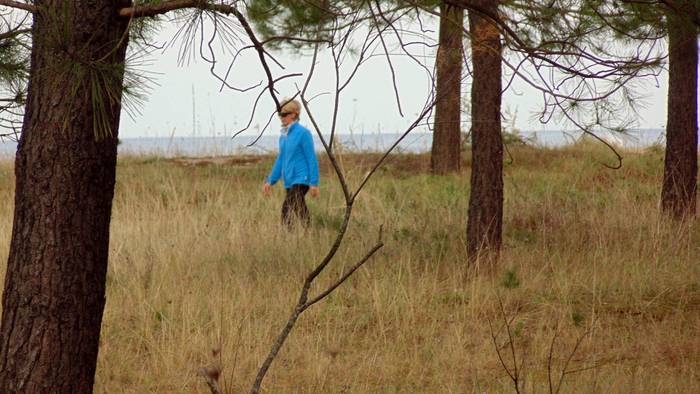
column 55, row 284
column 678, row 195
column 445, row 154
column 486, row 198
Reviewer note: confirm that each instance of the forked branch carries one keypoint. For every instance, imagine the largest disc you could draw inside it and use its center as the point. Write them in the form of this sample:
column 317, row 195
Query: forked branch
column 304, row 302
column 555, row 389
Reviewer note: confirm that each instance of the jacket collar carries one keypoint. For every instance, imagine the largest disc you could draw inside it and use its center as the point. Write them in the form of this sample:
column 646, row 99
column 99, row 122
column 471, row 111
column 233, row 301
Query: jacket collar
column 286, row 129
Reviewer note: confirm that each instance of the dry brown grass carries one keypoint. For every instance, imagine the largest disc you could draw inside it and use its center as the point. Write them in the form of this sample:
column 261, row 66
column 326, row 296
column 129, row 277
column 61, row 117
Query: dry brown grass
column 198, row 261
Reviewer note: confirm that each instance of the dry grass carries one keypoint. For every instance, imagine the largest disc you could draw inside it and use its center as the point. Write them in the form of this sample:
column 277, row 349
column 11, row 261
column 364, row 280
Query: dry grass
column 199, row 261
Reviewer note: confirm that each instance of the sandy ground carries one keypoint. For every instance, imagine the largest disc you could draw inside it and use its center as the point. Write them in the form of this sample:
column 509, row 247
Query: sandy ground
column 217, row 160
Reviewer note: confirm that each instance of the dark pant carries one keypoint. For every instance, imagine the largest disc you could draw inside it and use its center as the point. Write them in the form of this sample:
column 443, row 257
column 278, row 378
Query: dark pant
column 294, row 204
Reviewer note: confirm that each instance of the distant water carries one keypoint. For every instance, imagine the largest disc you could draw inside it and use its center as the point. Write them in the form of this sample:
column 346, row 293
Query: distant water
column 377, row 142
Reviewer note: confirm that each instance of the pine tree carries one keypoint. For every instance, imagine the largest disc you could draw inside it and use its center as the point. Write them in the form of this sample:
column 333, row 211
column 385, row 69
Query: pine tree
column 678, row 22
column 78, row 80
column 447, row 131
column 679, row 189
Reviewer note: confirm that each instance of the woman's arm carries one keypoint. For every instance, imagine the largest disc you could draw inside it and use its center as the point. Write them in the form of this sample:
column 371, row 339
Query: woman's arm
column 307, row 144
column 276, row 172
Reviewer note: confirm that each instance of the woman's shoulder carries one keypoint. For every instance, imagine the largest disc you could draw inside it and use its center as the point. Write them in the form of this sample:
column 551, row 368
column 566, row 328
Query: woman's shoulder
column 300, row 129
column 298, row 126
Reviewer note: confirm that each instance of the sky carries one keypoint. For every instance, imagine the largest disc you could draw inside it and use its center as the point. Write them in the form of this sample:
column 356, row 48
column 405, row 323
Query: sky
column 185, row 100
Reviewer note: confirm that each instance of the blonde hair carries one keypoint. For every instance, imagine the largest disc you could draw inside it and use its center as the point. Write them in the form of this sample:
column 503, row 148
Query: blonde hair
column 292, row 106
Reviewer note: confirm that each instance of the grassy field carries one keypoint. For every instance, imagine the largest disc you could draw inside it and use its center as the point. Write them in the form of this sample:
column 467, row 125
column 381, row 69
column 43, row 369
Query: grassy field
column 199, row 261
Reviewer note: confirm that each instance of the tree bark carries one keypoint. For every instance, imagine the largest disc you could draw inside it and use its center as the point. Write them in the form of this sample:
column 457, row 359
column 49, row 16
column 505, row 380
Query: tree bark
column 678, row 194
column 484, row 224
column 54, row 291
column 445, row 153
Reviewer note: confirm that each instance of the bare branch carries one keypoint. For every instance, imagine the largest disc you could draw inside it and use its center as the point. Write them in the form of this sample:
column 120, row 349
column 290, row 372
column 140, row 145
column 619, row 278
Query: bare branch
column 494, row 339
column 13, row 33
column 228, row 71
column 154, row 9
column 511, row 345
column 326, row 146
column 565, row 369
column 13, row 136
column 303, row 304
column 291, row 38
column 587, row 131
column 425, row 113
column 388, row 60
column 211, row 376
column 18, row 5
column 261, row 54
column 226, row 9
column 549, row 358
column 276, row 348
column 345, row 276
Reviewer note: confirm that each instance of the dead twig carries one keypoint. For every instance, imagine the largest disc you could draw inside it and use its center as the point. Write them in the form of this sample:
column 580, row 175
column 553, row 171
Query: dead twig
column 304, row 303
column 212, row 373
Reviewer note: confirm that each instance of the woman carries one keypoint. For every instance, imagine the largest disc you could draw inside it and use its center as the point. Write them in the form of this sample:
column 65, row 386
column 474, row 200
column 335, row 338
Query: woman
column 296, row 164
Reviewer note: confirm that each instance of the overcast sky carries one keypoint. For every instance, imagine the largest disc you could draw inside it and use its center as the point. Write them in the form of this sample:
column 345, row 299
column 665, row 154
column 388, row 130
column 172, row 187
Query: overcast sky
column 185, row 100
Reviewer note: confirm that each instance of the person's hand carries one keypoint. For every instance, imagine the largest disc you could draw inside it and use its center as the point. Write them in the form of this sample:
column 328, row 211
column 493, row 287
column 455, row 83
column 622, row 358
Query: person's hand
column 266, row 189
column 315, row 191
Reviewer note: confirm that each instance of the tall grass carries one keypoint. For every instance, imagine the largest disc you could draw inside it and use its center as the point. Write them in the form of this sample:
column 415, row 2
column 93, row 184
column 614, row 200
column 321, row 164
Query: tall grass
column 198, row 260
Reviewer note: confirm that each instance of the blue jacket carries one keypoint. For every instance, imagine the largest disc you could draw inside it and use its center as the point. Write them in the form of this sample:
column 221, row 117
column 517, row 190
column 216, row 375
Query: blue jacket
column 296, row 162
